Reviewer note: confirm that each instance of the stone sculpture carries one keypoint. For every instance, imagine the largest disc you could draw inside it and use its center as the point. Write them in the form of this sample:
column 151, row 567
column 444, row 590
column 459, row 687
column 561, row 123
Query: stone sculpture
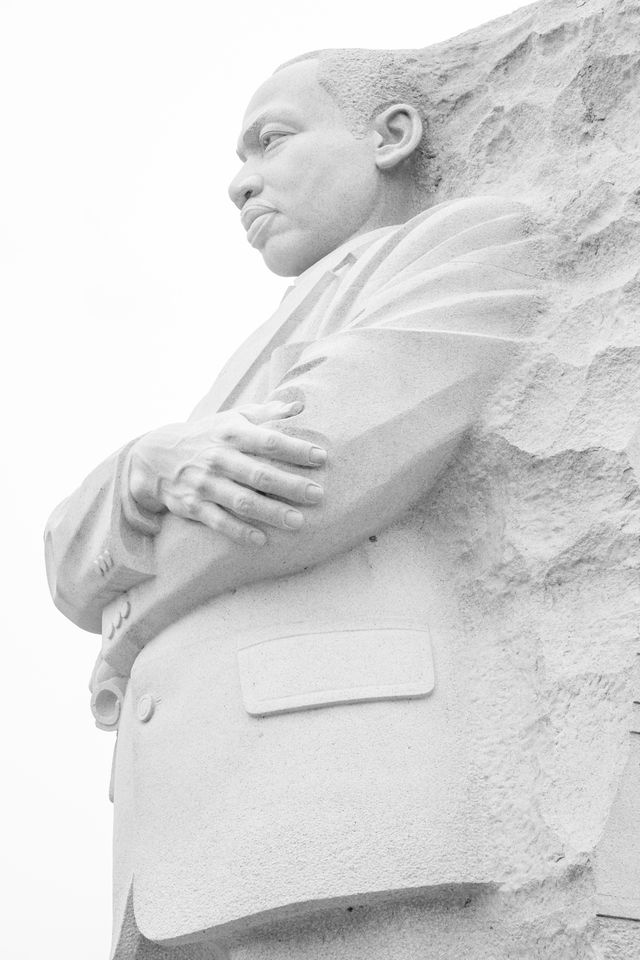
column 323, row 623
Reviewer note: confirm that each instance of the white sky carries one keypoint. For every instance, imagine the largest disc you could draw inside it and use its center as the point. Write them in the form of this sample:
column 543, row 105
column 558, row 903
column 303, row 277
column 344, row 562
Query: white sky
column 126, row 282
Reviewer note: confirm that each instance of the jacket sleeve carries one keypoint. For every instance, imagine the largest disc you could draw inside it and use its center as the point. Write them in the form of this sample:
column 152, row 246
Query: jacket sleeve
column 98, row 543
column 390, row 394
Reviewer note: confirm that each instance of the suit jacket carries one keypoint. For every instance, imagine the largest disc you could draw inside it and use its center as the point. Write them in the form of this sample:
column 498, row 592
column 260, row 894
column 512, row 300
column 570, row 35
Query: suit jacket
column 287, row 735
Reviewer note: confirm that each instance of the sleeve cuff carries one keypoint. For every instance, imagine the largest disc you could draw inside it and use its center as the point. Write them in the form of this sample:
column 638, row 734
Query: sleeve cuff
column 136, row 516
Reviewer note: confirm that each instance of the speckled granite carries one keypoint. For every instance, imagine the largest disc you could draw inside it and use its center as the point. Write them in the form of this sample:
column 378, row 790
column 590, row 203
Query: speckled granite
column 533, row 531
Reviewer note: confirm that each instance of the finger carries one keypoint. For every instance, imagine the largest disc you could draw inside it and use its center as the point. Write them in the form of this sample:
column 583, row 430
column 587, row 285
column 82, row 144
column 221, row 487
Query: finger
column 277, row 446
column 229, row 526
column 214, row 517
column 249, row 505
column 261, row 476
column 273, row 410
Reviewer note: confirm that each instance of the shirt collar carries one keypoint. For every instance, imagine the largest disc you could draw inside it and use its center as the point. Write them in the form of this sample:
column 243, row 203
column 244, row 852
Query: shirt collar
column 331, row 261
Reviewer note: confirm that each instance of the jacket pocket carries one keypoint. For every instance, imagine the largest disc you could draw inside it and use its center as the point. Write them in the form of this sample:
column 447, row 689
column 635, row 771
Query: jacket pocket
column 311, row 668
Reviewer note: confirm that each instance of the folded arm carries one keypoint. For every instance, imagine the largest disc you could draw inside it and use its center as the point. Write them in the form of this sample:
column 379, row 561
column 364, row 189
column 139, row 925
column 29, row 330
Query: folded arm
column 390, row 407
column 98, row 543
column 422, row 335
column 389, row 396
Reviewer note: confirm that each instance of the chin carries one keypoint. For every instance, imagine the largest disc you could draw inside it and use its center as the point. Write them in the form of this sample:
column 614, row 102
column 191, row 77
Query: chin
column 280, row 266
column 288, row 258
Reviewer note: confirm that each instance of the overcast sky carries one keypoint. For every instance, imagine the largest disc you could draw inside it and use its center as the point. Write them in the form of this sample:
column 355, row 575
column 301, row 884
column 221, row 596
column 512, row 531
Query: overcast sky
column 126, row 282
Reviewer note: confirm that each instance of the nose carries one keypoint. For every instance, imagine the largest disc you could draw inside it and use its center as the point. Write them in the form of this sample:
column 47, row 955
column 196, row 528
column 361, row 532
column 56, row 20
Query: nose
column 244, row 186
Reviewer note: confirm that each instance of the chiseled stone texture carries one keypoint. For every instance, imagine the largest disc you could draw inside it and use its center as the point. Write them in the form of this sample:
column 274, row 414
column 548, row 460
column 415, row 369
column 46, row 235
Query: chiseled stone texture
column 538, row 530
column 534, row 530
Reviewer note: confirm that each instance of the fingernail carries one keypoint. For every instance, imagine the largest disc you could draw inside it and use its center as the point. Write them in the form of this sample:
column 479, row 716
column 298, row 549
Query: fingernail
column 313, row 492
column 293, row 519
column 257, row 537
column 317, row 455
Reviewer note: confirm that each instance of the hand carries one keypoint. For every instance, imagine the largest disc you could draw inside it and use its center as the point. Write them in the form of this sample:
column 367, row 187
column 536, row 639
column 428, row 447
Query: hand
column 210, row 471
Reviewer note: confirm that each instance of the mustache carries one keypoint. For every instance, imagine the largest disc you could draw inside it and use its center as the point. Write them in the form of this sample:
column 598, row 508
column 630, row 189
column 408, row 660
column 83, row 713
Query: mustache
column 252, row 210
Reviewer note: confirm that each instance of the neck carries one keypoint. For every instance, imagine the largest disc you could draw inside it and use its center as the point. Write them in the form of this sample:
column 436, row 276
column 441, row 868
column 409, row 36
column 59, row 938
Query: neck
column 399, row 202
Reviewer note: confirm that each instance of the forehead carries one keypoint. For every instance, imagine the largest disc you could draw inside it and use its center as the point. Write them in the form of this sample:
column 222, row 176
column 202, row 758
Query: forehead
column 294, row 91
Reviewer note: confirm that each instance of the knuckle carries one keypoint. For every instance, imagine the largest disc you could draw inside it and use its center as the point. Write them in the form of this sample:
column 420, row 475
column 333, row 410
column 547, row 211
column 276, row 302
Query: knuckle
column 262, row 479
column 280, row 515
column 212, row 460
column 271, row 442
column 183, row 473
column 242, row 505
column 190, row 503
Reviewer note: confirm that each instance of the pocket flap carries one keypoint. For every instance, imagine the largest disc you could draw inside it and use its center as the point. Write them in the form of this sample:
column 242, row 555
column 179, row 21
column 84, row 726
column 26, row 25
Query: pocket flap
column 318, row 668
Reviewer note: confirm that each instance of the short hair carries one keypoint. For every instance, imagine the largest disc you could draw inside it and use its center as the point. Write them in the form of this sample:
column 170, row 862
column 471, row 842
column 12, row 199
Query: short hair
column 364, row 82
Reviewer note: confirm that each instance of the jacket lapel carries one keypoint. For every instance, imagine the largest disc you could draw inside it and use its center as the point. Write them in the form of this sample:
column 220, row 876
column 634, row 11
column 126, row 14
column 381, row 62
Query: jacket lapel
column 257, row 347
column 297, row 303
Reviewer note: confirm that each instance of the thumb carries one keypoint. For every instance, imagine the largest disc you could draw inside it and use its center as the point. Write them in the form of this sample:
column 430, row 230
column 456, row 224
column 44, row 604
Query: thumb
column 272, row 410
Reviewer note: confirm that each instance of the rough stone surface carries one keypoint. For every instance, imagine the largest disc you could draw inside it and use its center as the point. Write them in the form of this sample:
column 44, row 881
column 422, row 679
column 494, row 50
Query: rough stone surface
column 530, row 543
column 542, row 524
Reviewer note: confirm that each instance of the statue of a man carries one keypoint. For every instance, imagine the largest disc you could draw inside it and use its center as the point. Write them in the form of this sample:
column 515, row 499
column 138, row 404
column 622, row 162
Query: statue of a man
column 290, row 717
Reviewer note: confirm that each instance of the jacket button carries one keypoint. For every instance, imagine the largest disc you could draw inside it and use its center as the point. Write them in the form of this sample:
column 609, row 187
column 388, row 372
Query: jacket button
column 146, row 707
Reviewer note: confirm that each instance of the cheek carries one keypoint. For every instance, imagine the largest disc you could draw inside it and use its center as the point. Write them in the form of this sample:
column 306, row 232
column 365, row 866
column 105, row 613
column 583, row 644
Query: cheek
column 321, row 183
column 340, row 176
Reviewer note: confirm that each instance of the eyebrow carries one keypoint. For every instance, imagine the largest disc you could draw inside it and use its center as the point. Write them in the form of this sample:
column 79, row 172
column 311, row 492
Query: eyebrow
column 251, row 134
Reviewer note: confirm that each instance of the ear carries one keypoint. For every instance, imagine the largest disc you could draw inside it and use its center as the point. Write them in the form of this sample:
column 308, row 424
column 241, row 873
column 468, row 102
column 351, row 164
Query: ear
column 398, row 131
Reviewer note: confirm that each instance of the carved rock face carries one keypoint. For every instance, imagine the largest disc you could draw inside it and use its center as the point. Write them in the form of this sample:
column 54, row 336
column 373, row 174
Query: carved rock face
column 527, row 547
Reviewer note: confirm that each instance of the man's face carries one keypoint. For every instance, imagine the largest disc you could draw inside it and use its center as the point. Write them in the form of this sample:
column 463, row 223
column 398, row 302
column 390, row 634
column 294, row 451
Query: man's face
column 307, row 183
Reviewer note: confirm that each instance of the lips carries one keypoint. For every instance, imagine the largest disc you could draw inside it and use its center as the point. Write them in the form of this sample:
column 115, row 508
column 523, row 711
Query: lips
column 257, row 231
column 251, row 212
column 255, row 219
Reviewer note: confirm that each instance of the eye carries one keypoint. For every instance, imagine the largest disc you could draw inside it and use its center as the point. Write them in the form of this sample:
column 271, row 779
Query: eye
column 270, row 137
